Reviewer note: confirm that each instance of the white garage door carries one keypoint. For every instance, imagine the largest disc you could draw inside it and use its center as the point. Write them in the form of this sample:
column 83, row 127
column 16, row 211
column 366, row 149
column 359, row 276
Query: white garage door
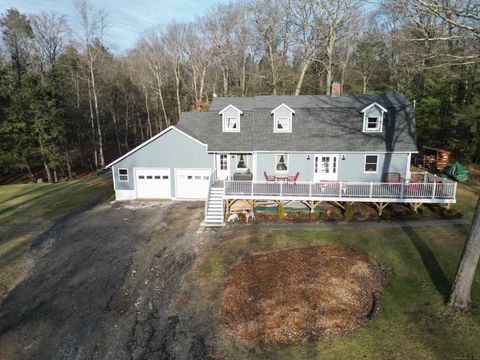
column 192, row 183
column 152, row 183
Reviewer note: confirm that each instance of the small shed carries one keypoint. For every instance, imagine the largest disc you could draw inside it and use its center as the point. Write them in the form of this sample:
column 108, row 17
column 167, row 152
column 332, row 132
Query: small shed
column 434, row 158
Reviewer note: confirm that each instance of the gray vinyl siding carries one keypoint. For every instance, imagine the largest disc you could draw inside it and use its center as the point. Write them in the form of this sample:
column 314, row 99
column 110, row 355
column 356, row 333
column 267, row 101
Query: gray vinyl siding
column 231, row 113
column 282, row 112
column 296, row 162
column 171, row 150
column 233, row 163
column 373, row 111
column 350, row 169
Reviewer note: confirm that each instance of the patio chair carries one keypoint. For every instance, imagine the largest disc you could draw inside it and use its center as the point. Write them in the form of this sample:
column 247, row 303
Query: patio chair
column 413, row 185
column 293, row 178
column 268, row 177
column 324, row 185
column 418, row 178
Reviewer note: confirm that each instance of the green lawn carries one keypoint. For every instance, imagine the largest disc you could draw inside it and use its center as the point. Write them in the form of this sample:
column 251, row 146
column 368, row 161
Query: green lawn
column 27, row 210
column 414, row 323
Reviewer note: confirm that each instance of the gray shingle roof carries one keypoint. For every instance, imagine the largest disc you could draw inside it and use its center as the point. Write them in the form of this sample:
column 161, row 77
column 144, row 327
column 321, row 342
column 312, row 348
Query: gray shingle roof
column 321, row 123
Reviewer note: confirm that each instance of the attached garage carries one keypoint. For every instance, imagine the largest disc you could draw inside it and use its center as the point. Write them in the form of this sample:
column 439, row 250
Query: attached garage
column 192, row 183
column 153, row 183
column 170, row 165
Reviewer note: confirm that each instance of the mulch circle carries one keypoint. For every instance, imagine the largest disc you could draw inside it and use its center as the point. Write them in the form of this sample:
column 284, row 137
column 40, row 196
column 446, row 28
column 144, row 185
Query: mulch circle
column 298, row 295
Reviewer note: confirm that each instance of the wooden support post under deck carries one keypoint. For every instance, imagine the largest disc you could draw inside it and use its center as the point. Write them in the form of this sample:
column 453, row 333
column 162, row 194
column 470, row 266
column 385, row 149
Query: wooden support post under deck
column 380, row 207
column 415, row 206
column 336, row 203
column 311, row 204
column 228, row 205
column 252, row 204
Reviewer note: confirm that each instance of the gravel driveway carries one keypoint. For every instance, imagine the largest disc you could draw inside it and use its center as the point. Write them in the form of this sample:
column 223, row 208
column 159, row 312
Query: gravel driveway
column 104, row 286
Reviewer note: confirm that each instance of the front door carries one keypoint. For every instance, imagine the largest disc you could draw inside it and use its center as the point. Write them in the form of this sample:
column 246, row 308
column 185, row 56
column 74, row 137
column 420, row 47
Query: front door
column 325, row 167
column 223, row 166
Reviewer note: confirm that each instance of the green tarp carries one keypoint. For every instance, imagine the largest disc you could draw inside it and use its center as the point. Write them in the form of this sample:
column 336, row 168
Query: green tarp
column 457, row 171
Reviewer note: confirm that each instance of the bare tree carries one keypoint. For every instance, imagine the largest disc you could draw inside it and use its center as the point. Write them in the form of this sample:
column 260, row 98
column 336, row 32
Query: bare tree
column 335, row 16
column 271, row 23
column 231, row 37
column 202, row 43
column 460, row 295
column 447, row 31
column 306, row 31
column 92, row 22
column 50, row 31
column 174, row 40
column 153, row 52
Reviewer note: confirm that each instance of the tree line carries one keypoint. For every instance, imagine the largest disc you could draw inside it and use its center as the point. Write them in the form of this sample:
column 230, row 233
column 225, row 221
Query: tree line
column 67, row 102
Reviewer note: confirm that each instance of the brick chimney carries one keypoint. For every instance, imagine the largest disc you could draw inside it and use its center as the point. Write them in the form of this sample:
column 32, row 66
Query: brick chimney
column 197, row 105
column 335, row 89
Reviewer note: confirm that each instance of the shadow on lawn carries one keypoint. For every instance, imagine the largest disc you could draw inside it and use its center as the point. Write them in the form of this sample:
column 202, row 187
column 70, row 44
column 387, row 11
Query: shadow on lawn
column 47, row 190
column 438, row 277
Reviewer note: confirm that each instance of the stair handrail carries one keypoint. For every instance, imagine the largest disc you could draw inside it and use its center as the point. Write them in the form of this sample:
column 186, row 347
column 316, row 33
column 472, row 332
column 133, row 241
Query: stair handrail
column 213, row 178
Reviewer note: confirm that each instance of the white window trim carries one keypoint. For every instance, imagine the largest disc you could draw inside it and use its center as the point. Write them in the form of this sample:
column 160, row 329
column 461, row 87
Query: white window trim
column 224, row 118
column 225, row 127
column 275, row 118
column 127, row 175
column 378, row 128
column 374, row 104
column 245, row 160
column 287, row 160
column 221, row 112
column 365, row 164
column 380, row 123
column 220, row 162
column 289, row 122
column 366, row 116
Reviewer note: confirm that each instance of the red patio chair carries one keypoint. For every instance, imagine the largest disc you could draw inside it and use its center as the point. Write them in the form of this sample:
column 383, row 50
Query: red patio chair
column 294, row 178
column 268, row 177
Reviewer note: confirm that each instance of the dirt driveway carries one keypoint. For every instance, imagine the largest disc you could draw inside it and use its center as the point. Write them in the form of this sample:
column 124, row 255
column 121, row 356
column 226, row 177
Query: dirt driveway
column 105, row 286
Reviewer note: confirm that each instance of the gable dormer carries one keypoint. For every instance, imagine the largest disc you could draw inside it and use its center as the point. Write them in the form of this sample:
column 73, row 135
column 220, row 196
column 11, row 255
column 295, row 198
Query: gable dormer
column 373, row 117
column 282, row 118
column 231, row 118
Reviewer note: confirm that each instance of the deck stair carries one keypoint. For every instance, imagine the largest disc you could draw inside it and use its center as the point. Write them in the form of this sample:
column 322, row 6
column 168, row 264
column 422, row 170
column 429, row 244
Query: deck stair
column 214, row 207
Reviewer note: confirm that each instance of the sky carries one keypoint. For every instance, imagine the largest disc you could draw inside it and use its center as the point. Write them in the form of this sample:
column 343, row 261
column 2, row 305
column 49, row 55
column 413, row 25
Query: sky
column 126, row 19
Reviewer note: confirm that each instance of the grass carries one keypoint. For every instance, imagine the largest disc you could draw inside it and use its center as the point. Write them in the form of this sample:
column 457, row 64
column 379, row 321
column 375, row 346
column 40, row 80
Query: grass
column 414, row 323
column 27, row 210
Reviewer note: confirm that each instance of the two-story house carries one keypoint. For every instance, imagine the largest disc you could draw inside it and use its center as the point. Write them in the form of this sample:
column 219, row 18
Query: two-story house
column 284, row 148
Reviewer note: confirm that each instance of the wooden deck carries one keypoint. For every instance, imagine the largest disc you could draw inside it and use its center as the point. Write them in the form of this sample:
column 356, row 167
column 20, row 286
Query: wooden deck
column 433, row 190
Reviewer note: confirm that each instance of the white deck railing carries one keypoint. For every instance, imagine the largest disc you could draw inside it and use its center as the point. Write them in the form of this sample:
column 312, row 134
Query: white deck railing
column 438, row 189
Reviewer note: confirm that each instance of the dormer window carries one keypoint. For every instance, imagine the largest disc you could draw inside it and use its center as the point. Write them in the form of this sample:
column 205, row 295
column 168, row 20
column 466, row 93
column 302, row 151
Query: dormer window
column 282, row 119
column 231, row 119
column 282, row 124
column 373, row 118
column 373, row 123
column 232, row 124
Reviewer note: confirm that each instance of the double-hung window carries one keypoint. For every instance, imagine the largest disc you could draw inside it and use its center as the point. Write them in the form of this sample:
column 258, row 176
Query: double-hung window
column 371, row 163
column 232, row 124
column 123, row 174
column 373, row 123
column 282, row 124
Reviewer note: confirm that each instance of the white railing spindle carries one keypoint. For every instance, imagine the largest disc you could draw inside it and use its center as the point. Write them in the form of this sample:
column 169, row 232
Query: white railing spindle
column 433, row 188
